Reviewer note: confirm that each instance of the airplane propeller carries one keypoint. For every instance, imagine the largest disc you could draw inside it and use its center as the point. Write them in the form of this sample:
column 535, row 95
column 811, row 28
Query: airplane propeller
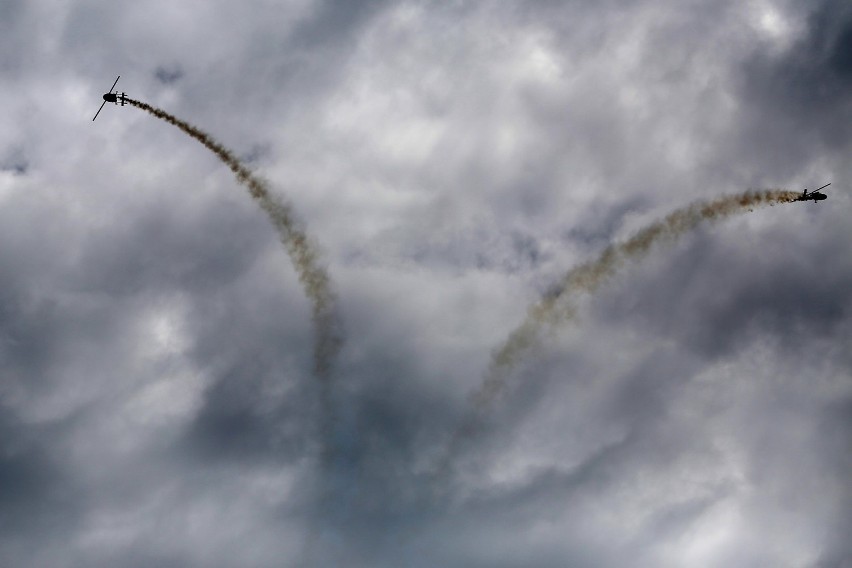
column 99, row 110
column 103, row 103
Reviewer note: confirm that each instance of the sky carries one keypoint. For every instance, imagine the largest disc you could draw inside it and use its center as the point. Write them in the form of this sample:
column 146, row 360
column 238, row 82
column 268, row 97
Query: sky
column 450, row 162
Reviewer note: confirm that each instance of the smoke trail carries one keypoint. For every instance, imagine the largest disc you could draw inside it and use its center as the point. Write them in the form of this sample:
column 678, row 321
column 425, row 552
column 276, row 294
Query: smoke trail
column 315, row 281
column 555, row 308
column 302, row 251
column 587, row 277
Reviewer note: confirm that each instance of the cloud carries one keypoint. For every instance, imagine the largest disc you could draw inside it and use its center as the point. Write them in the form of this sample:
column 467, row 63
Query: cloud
column 157, row 398
column 168, row 75
column 15, row 162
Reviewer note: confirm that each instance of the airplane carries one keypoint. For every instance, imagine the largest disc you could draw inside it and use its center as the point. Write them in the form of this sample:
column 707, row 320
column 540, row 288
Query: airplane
column 111, row 97
column 814, row 196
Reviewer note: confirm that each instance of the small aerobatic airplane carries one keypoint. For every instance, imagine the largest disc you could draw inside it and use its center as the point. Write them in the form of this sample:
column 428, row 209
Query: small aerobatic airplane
column 111, row 97
column 814, row 196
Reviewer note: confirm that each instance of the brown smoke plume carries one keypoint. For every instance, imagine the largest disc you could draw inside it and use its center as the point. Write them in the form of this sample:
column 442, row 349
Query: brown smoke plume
column 302, row 251
column 555, row 308
column 587, row 277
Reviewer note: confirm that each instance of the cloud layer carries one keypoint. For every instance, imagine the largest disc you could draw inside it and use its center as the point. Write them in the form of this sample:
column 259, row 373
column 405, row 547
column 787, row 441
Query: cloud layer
column 158, row 396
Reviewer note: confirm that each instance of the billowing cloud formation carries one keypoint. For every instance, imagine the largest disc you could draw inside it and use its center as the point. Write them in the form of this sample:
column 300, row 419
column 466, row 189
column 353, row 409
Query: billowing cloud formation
column 158, row 393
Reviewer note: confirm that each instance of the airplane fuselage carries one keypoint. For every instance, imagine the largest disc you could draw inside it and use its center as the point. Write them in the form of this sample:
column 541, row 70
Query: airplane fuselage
column 816, row 196
column 115, row 98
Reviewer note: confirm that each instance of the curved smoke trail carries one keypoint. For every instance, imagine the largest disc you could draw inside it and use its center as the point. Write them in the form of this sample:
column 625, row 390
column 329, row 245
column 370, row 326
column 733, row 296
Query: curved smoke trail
column 315, row 281
column 302, row 251
column 555, row 309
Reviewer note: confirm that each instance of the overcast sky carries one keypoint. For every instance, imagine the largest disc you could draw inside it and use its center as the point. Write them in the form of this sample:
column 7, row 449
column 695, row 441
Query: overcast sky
column 451, row 160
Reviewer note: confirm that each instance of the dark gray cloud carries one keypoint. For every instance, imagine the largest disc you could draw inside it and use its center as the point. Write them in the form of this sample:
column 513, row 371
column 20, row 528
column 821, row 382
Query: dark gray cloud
column 330, row 22
column 814, row 73
column 800, row 96
column 39, row 499
column 15, row 162
column 802, row 291
column 168, row 74
column 157, row 400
